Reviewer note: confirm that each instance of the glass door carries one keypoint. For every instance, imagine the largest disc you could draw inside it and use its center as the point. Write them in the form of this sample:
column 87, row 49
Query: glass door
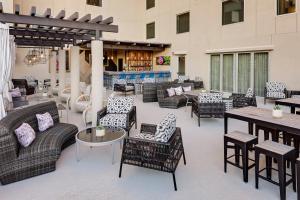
column 244, row 72
column 261, row 63
column 228, row 72
column 215, row 72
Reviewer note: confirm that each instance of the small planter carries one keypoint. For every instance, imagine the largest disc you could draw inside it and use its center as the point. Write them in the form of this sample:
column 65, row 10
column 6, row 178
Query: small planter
column 100, row 131
column 277, row 113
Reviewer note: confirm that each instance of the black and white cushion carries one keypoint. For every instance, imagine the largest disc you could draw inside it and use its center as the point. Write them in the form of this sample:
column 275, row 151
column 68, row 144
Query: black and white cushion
column 249, row 93
column 178, row 90
column 120, row 81
column 165, row 128
column 275, row 89
column 120, row 105
column 145, row 136
column 210, row 98
column 114, row 120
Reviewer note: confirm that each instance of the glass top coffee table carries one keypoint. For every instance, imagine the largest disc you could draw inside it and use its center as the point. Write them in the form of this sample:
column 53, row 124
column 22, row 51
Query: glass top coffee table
column 88, row 137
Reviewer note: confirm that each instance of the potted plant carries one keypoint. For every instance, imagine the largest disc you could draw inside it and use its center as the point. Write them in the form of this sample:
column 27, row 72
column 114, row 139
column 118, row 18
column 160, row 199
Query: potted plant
column 277, row 112
column 100, row 131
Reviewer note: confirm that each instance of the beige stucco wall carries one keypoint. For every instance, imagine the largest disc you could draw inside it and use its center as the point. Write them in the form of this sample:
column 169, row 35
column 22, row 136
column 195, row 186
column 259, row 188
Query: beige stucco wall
column 7, row 6
column 261, row 27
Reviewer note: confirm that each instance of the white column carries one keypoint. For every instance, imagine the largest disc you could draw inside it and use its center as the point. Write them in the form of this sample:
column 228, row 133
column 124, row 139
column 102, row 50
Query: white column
column 52, row 64
column 75, row 75
column 97, row 79
column 62, row 69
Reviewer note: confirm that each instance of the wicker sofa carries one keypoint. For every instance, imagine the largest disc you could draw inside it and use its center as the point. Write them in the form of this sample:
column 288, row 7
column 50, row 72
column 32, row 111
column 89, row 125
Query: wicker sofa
column 18, row 163
column 171, row 102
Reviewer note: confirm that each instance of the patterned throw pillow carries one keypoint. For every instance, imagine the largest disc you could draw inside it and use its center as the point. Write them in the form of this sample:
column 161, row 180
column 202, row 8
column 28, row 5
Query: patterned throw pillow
column 25, row 134
column 249, row 93
column 187, row 89
column 165, row 128
column 45, row 121
column 15, row 92
column 119, row 105
column 178, row 90
column 171, row 92
column 210, row 98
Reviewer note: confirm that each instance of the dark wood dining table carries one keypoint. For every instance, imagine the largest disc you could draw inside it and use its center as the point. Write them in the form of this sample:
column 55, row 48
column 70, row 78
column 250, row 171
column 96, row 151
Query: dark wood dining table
column 289, row 123
column 293, row 103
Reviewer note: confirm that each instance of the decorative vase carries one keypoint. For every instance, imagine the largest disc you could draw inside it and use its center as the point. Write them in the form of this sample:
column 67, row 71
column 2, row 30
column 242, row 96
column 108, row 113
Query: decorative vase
column 277, row 113
column 100, row 132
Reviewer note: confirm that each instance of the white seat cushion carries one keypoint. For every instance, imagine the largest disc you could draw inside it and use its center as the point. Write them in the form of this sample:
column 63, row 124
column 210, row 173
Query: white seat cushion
column 114, row 120
column 82, row 105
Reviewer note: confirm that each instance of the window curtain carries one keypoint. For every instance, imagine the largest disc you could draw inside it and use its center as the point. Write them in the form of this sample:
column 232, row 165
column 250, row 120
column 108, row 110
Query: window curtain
column 9, row 84
column 244, row 72
column 215, row 73
column 260, row 72
column 228, row 73
column 5, row 63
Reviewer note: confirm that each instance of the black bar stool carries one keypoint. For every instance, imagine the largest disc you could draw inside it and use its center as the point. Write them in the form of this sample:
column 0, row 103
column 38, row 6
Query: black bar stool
column 282, row 153
column 244, row 142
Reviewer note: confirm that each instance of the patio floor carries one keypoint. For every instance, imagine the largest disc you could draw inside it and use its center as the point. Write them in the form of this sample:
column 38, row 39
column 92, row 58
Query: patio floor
column 94, row 177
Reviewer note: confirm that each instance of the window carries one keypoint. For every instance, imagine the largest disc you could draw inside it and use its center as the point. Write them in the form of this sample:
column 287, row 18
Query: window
column 94, row 2
column 150, row 4
column 183, row 23
column 215, row 72
column 286, row 6
column 150, row 30
column 236, row 72
column 232, row 11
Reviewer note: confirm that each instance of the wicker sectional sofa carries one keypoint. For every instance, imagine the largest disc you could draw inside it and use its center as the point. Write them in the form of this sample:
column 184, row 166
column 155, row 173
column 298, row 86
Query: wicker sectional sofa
column 171, row 102
column 18, row 163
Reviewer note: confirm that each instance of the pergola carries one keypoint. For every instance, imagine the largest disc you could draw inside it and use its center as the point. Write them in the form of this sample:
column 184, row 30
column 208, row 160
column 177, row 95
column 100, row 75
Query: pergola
column 48, row 31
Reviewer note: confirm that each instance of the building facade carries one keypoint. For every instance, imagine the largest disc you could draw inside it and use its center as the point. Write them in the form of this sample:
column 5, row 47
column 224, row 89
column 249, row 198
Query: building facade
column 230, row 45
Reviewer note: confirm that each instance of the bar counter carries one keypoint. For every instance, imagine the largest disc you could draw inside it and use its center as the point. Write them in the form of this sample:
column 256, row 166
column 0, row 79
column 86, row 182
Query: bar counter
column 135, row 77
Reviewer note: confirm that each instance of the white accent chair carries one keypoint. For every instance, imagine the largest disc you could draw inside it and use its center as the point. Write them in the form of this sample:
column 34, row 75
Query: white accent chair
column 84, row 100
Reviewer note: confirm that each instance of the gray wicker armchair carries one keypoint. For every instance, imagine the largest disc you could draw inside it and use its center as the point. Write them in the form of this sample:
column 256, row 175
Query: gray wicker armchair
column 208, row 105
column 274, row 91
column 243, row 100
column 119, row 112
column 155, row 155
column 17, row 162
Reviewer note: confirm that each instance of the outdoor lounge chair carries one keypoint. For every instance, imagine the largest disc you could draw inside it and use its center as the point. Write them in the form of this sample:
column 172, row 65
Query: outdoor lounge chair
column 119, row 112
column 208, row 105
column 156, row 147
column 243, row 100
column 275, row 90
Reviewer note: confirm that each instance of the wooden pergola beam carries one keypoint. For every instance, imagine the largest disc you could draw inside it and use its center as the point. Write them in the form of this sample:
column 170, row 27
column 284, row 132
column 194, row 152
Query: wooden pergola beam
column 127, row 47
column 17, row 9
column 61, row 15
column 47, row 34
column 47, row 13
column 108, row 20
column 41, row 21
column 33, row 11
column 41, row 42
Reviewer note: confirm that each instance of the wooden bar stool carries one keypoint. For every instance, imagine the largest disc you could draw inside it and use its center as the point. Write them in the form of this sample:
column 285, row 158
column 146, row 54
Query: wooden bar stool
column 244, row 142
column 282, row 153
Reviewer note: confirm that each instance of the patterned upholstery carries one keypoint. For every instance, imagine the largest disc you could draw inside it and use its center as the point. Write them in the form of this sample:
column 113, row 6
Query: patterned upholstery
column 165, row 128
column 275, row 90
column 250, row 93
column 210, row 98
column 114, row 120
column 145, row 136
column 120, row 81
column 119, row 105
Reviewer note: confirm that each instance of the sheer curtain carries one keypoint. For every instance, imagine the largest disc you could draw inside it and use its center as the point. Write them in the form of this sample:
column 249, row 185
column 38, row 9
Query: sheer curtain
column 9, row 85
column 228, row 73
column 215, row 73
column 260, row 72
column 5, row 63
column 244, row 72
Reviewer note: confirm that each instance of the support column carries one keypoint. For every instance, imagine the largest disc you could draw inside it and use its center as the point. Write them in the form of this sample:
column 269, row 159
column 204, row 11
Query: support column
column 75, row 75
column 62, row 70
column 52, row 63
column 97, row 79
